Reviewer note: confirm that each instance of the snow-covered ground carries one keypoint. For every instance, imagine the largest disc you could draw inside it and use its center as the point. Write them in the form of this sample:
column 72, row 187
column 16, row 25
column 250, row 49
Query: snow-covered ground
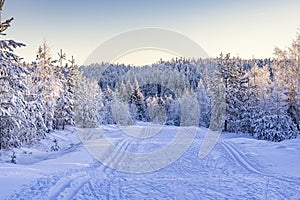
column 239, row 167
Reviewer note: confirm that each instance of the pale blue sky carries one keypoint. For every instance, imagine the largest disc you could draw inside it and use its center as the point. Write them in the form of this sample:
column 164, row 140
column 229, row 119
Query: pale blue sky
column 243, row 28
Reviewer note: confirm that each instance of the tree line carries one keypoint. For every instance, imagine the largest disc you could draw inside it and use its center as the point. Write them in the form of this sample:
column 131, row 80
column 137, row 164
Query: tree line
column 260, row 97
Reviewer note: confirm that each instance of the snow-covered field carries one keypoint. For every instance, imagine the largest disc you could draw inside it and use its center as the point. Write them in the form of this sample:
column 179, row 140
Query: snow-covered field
column 239, row 167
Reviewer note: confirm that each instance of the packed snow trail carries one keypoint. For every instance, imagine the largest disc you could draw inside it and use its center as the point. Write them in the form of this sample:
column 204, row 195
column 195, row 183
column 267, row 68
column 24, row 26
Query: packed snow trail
column 226, row 173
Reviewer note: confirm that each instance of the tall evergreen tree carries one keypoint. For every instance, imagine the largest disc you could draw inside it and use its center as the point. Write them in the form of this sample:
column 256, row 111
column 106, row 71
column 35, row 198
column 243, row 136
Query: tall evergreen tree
column 47, row 84
column 64, row 110
column 86, row 105
column 137, row 101
column 294, row 81
column 105, row 111
column 14, row 120
column 204, row 104
column 120, row 111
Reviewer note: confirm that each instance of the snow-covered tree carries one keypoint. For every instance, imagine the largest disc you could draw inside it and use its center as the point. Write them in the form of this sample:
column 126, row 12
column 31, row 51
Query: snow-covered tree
column 204, row 104
column 120, row 111
column 105, row 111
column 294, row 81
column 14, row 120
column 64, row 110
column 275, row 127
column 217, row 92
column 189, row 109
column 172, row 109
column 87, row 96
column 248, row 92
column 274, row 123
column 137, row 101
column 239, row 95
column 35, row 110
column 156, row 110
column 47, row 84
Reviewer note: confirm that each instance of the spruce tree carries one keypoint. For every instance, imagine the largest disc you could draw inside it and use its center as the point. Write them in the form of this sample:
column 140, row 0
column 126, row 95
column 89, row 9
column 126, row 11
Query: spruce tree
column 48, row 85
column 204, row 104
column 137, row 101
column 14, row 120
column 64, row 110
column 87, row 103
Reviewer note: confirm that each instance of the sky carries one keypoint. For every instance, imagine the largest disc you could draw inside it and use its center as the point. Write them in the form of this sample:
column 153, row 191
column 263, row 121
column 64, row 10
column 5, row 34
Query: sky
column 243, row 28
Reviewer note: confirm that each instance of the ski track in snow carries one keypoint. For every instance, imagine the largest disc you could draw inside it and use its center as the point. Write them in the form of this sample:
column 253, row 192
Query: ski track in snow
column 289, row 183
column 227, row 173
column 240, row 158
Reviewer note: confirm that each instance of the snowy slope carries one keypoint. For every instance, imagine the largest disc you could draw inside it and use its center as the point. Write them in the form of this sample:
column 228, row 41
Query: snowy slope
column 239, row 167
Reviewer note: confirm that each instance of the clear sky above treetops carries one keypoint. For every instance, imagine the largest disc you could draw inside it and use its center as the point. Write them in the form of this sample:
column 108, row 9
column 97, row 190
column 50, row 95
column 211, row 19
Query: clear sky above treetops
column 243, row 28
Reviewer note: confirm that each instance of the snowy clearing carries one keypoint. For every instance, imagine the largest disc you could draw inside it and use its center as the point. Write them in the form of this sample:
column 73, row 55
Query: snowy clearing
column 239, row 167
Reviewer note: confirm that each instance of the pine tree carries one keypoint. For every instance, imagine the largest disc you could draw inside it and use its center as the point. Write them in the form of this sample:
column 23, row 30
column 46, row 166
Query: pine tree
column 35, row 110
column 47, row 84
column 137, row 101
column 87, row 96
column 157, row 113
column 274, row 123
column 105, row 112
column 172, row 109
column 294, row 81
column 216, row 87
column 239, row 95
column 64, row 110
column 14, row 122
column 189, row 110
column 120, row 111
column 222, row 73
column 204, row 104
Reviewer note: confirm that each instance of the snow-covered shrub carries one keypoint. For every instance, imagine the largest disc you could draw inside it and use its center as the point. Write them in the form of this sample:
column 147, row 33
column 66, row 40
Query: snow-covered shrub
column 13, row 158
column 55, row 146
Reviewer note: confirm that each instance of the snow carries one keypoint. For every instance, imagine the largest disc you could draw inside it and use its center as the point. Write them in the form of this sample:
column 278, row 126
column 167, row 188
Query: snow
column 239, row 167
column 282, row 158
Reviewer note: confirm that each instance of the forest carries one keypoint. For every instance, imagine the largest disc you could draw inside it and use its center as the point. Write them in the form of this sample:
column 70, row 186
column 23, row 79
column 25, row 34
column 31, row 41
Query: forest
column 257, row 97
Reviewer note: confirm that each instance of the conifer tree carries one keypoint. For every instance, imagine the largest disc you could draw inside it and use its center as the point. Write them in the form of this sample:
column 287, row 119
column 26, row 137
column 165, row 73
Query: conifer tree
column 64, row 110
column 204, row 104
column 137, row 101
column 47, row 85
column 14, row 120
column 86, row 103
